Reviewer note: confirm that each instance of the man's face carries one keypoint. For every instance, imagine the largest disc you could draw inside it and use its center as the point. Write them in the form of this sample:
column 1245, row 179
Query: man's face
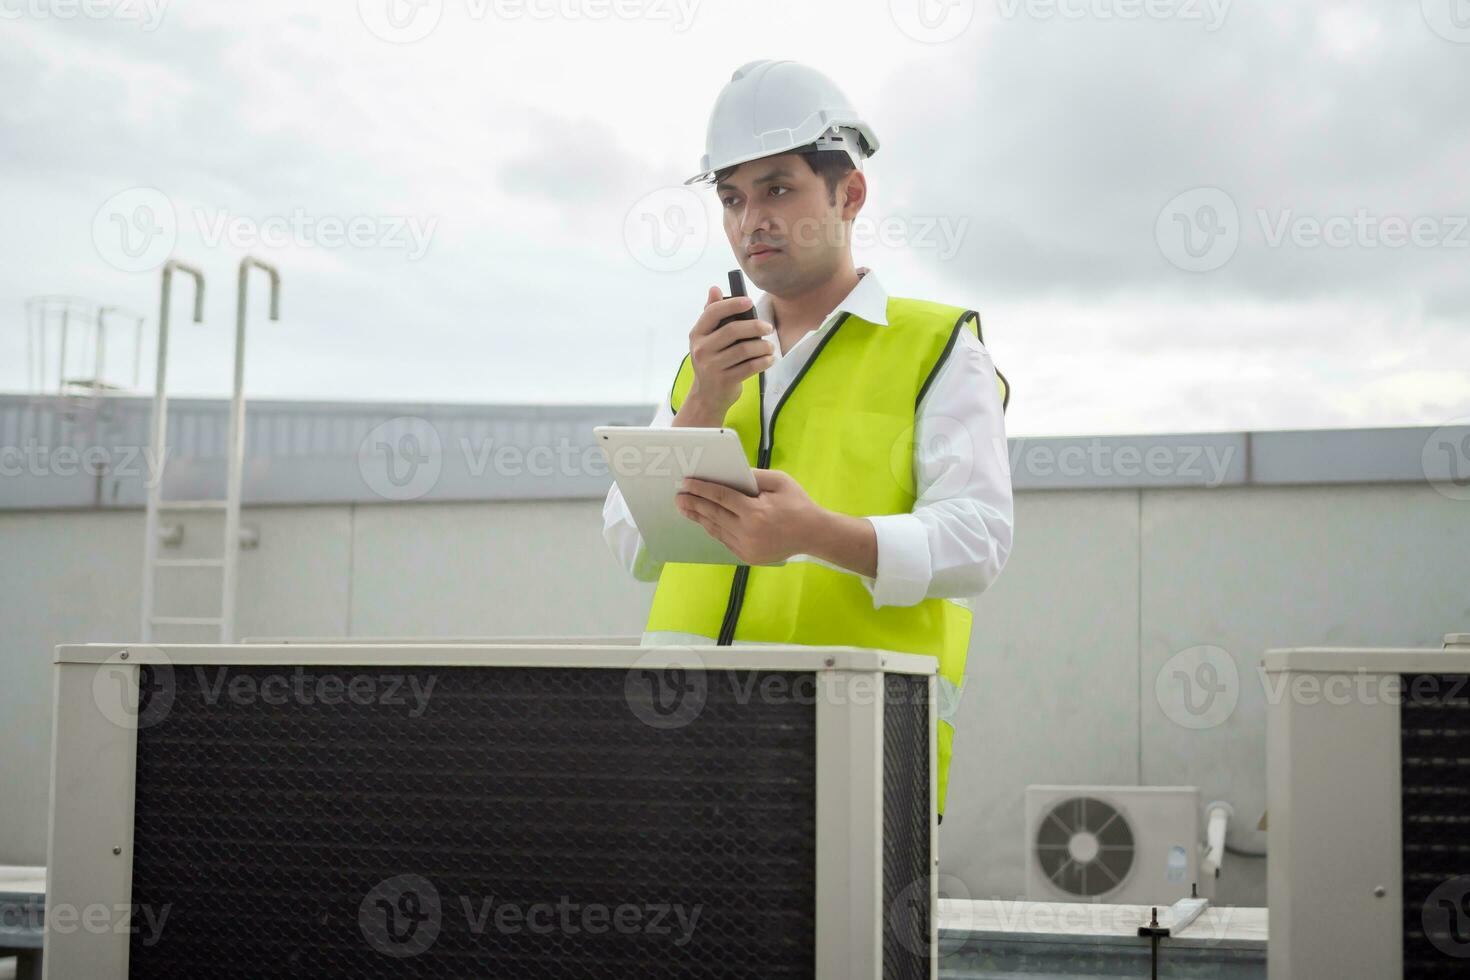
column 787, row 233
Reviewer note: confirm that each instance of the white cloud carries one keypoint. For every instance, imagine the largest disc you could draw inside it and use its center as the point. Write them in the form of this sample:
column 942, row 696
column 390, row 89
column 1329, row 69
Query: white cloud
column 1045, row 147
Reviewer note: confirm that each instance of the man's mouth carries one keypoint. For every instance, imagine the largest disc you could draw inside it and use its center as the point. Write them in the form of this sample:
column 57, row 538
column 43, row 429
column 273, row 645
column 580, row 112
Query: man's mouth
column 759, row 253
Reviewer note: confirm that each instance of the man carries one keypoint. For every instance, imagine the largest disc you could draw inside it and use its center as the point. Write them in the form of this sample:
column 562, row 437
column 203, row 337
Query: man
column 875, row 423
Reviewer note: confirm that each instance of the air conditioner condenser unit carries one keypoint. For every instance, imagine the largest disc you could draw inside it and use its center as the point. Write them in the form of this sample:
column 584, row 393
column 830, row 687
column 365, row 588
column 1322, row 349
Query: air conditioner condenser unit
column 519, row 810
column 1123, row 845
column 1368, row 787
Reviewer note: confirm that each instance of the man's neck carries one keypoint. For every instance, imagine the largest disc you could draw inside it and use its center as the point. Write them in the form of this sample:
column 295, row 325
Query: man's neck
column 802, row 313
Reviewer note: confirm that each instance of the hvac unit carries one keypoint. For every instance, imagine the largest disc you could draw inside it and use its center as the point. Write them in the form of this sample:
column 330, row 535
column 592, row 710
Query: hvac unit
column 1123, row 845
column 1368, row 787
column 515, row 810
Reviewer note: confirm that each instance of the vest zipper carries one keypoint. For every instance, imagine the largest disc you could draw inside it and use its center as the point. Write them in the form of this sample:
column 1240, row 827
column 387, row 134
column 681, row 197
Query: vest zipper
column 763, row 461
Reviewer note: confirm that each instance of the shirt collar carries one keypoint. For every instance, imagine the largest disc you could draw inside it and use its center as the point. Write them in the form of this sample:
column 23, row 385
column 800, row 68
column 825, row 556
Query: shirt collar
column 867, row 301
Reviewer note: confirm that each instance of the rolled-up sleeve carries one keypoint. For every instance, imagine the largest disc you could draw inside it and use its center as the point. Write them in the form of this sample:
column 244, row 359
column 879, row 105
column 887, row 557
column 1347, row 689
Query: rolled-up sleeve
column 958, row 536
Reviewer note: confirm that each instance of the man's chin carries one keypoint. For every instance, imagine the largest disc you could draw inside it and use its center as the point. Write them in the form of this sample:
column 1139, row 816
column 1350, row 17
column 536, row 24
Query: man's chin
column 773, row 275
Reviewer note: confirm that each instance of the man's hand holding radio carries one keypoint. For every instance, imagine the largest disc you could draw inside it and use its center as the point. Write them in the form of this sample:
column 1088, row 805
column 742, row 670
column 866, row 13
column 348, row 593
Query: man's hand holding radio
column 722, row 358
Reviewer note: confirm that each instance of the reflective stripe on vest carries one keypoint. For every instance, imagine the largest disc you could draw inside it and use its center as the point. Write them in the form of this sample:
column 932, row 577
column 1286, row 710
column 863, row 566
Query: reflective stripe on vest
column 844, row 430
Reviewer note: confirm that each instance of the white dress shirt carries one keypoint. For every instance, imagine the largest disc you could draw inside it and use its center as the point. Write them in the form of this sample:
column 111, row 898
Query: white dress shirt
column 956, row 540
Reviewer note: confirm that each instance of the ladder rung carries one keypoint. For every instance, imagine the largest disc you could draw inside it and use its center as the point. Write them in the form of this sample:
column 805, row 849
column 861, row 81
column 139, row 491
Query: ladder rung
column 185, row 620
column 192, row 504
column 188, row 563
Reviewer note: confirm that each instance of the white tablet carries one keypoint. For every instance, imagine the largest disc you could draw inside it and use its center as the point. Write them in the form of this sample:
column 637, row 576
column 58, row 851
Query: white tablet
column 649, row 464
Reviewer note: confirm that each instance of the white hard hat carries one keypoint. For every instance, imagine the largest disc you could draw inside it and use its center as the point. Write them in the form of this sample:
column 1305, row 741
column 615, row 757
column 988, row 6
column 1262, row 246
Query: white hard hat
column 772, row 107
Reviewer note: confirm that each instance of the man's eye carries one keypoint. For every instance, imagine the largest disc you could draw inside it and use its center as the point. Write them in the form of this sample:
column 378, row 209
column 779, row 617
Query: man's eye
column 777, row 189
column 728, row 202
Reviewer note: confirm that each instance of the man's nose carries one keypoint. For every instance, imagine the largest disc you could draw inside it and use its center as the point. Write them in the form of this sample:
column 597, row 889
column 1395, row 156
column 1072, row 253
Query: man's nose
column 753, row 219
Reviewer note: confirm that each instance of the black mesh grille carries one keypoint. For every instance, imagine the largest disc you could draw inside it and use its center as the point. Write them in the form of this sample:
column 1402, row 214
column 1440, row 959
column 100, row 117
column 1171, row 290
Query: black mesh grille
column 1435, row 736
column 355, row 839
column 906, row 870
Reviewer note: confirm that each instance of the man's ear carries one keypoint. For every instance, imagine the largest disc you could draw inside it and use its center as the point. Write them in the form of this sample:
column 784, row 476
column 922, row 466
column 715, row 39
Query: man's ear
column 853, row 194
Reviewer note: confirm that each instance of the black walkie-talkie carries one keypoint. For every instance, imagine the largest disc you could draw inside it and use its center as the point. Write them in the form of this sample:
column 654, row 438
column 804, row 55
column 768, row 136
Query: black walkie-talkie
column 737, row 288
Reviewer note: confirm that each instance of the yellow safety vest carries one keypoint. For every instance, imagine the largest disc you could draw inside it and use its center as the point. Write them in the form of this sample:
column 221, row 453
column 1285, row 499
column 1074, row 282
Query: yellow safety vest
column 844, row 430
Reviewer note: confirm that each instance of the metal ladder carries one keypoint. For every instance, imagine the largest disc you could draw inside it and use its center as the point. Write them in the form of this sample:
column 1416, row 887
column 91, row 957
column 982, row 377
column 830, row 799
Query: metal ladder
column 227, row 563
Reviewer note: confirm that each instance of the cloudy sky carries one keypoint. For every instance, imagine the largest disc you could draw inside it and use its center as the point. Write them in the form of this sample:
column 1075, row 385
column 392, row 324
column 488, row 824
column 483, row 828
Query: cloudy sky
column 1173, row 215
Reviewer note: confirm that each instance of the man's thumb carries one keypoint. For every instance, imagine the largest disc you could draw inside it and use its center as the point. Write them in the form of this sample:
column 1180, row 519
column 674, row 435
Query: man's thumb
column 714, row 295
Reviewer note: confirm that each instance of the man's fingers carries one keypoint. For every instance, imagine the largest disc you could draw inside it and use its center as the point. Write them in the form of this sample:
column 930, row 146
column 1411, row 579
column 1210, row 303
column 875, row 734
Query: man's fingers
column 717, row 310
column 726, row 497
column 739, row 330
column 745, row 350
column 709, row 510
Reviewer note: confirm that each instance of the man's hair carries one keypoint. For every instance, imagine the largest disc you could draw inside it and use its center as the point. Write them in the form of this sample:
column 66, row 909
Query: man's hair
column 830, row 165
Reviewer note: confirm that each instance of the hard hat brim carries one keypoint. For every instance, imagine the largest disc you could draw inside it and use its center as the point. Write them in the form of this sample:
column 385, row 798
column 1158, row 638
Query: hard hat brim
column 863, row 130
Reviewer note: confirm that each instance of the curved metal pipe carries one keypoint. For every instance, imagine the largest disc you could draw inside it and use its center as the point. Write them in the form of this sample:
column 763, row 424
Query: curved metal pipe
column 251, row 262
column 160, row 429
column 236, row 460
column 1216, row 826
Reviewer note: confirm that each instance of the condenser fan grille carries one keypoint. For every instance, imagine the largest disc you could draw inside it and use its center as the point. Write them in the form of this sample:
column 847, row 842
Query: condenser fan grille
column 1084, row 846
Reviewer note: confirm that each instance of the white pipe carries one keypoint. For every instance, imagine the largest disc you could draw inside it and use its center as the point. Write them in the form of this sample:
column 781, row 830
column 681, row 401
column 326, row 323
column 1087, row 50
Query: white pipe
column 236, row 461
column 1182, row 914
column 1218, row 821
column 159, row 441
column 65, row 327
